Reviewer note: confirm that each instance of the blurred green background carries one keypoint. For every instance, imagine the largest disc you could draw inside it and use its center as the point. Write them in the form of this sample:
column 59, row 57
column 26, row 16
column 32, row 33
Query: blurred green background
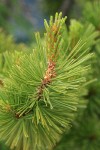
column 22, row 18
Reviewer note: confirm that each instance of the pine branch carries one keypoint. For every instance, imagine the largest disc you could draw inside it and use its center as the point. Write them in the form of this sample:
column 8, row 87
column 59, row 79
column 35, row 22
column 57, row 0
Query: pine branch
column 40, row 98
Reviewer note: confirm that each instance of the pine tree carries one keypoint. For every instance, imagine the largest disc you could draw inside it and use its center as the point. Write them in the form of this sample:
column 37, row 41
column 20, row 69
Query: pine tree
column 42, row 93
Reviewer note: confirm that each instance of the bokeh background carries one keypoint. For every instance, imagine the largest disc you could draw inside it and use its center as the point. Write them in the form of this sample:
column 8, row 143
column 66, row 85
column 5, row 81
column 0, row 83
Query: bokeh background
column 22, row 17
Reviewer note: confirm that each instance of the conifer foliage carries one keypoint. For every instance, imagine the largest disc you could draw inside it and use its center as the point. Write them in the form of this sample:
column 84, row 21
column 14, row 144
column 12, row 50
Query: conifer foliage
column 85, row 133
column 40, row 97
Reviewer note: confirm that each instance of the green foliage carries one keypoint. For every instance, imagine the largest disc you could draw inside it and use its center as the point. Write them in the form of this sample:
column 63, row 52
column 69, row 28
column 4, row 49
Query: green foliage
column 44, row 93
column 85, row 133
column 7, row 49
column 92, row 12
column 40, row 97
column 7, row 43
column 77, row 31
